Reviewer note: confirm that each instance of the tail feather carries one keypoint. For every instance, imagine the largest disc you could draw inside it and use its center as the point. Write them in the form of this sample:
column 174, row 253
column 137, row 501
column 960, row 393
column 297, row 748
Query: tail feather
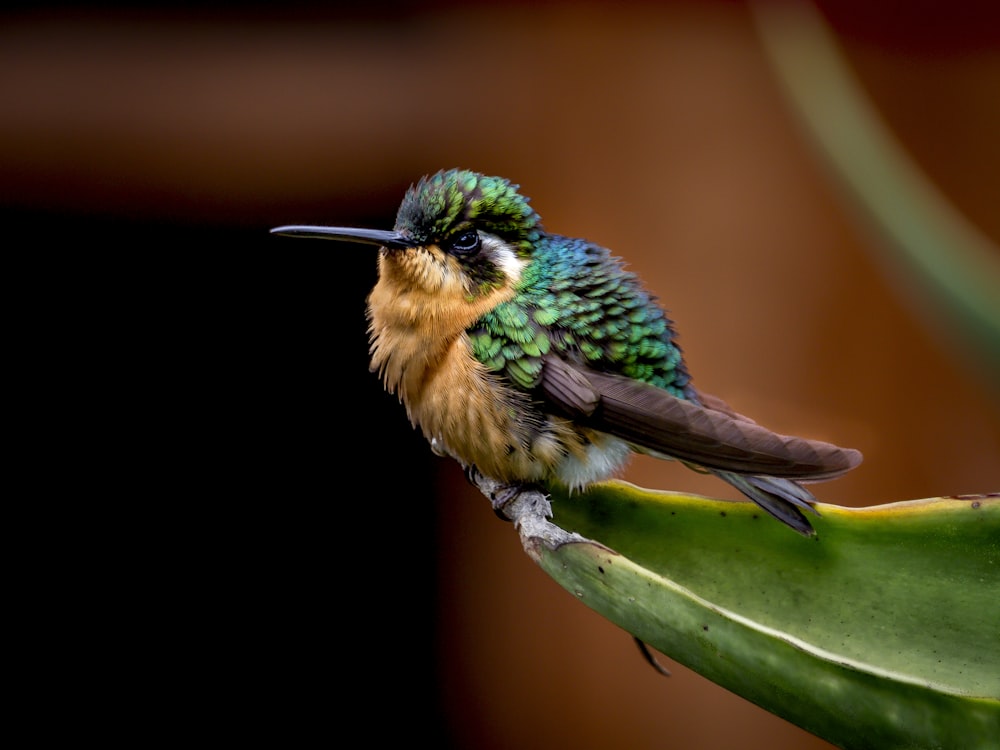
column 782, row 498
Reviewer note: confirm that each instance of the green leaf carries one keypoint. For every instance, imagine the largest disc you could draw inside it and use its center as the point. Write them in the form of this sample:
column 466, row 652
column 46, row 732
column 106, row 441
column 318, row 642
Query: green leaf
column 882, row 632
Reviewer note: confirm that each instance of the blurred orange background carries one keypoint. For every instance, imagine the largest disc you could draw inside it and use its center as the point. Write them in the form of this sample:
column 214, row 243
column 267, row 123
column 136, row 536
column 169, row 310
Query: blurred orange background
column 179, row 136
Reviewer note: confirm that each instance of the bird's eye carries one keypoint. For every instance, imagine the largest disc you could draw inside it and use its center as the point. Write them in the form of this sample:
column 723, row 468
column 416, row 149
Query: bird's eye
column 463, row 243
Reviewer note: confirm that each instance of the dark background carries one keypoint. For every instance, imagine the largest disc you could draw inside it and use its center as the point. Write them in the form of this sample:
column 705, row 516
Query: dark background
column 240, row 536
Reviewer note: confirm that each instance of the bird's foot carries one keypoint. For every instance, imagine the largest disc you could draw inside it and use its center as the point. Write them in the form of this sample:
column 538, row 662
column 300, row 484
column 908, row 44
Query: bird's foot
column 527, row 506
column 509, row 500
column 502, row 497
column 518, row 501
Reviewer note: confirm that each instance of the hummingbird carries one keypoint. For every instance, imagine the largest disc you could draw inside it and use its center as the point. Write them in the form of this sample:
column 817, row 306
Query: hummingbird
column 536, row 358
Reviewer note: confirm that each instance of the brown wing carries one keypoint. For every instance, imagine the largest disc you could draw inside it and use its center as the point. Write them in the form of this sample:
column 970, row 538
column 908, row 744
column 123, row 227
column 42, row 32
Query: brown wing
column 718, row 438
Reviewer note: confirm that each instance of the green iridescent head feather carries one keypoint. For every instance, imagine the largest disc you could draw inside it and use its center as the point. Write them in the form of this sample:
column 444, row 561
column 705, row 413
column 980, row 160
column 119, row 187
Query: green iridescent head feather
column 454, row 199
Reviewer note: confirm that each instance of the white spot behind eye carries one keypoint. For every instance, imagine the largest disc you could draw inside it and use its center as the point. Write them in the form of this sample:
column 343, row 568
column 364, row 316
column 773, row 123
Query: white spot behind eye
column 505, row 257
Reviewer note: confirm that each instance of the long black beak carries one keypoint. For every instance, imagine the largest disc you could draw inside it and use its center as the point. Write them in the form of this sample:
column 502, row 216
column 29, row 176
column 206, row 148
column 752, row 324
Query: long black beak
column 391, row 240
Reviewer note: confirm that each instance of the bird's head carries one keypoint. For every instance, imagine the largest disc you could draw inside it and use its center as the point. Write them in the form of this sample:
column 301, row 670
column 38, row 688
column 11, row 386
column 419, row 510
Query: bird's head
column 456, row 230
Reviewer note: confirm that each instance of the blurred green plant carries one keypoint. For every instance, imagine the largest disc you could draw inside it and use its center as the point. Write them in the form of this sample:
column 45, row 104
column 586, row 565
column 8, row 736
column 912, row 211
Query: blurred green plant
column 942, row 264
